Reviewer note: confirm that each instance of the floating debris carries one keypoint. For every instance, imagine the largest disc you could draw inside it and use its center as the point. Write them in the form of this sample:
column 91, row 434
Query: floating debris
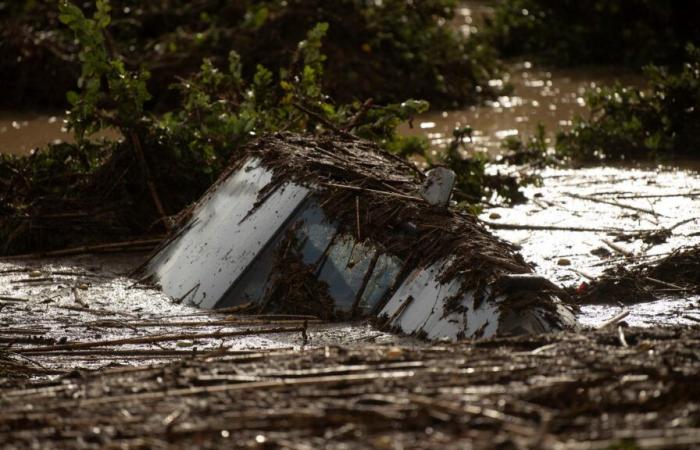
column 675, row 274
column 557, row 391
column 338, row 228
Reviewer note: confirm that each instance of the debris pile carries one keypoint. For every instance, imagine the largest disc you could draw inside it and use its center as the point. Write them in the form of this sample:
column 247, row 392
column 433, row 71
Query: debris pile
column 675, row 274
column 574, row 391
column 350, row 216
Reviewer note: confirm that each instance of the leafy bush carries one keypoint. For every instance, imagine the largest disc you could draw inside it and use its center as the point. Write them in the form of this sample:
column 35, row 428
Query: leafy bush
column 75, row 194
column 473, row 183
column 387, row 50
column 630, row 123
column 533, row 151
column 571, row 32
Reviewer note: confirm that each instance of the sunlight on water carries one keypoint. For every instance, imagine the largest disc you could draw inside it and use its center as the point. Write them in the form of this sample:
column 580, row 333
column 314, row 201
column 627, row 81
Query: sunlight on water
column 663, row 196
column 552, row 98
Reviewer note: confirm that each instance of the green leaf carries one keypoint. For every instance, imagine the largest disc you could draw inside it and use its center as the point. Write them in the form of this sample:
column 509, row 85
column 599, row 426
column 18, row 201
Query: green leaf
column 102, row 14
column 72, row 97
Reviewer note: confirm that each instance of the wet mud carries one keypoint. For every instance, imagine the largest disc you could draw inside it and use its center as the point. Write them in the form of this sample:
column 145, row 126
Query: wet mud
column 86, row 313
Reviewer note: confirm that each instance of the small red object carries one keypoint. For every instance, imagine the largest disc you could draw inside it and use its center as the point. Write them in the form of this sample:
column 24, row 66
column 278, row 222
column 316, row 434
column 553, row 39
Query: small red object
column 582, row 288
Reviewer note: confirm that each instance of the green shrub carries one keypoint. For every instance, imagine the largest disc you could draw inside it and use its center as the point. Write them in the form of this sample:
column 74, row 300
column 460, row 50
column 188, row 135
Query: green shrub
column 661, row 121
column 388, row 50
column 72, row 194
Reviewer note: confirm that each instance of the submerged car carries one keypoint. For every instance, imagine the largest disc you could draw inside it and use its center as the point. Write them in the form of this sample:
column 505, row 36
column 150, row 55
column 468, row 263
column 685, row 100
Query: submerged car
column 337, row 228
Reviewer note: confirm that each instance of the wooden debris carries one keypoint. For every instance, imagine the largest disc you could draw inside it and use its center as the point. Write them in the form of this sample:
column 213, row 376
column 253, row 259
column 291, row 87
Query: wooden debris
column 161, row 338
column 134, row 245
column 613, row 203
column 601, row 389
column 673, row 274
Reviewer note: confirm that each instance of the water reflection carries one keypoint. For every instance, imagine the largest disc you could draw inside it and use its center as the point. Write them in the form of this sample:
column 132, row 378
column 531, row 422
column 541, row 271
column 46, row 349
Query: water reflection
column 619, row 199
column 552, row 98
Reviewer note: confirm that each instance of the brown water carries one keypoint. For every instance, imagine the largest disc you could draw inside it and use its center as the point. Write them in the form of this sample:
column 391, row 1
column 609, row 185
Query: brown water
column 540, row 96
column 22, row 132
column 80, row 299
column 552, row 98
column 669, row 195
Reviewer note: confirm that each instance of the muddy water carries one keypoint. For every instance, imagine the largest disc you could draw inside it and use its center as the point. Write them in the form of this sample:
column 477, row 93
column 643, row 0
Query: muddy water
column 663, row 197
column 540, row 96
column 651, row 198
column 92, row 299
column 648, row 198
column 618, row 202
column 22, row 132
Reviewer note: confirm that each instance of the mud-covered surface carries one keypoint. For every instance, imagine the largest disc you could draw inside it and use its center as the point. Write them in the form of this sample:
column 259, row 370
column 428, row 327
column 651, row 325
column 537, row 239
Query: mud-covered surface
column 623, row 388
column 85, row 313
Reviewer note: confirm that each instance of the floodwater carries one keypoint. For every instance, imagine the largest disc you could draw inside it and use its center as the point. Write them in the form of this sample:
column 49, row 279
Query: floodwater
column 649, row 198
column 539, row 96
column 548, row 97
column 618, row 202
column 92, row 299
column 633, row 198
column 662, row 196
column 646, row 197
column 22, row 132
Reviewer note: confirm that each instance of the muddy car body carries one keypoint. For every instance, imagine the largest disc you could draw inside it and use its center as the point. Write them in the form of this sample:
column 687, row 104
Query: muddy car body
column 337, row 228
